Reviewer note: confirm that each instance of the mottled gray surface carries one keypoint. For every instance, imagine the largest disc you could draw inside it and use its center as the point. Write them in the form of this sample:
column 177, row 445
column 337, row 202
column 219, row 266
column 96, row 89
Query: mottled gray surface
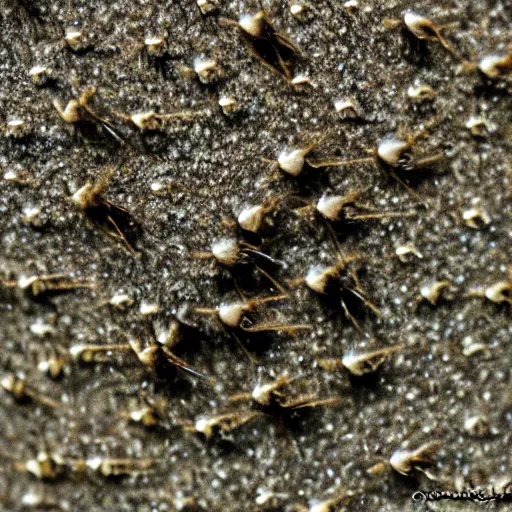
column 425, row 392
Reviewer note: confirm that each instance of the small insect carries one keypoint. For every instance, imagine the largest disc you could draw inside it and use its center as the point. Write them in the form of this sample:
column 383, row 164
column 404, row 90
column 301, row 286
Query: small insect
column 477, row 426
column 146, row 415
column 52, row 364
column 151, row 121
column 404, row 251
column 80, row 114
column 34, row 216
column 393, row 153
column 301, row 81
column 423, row 28
column 169, row 335
column 19, row 176
column 155, row 46
column 23, row 393
column 293, row 161
column 229, row 105
column 75, row 39
column 231, row 314
column 496, row 65
column 229, row 253
column 351, row 6
column 479, row 127
column 360, row 363
column 270, row 396
column 120, row 301
column 206, row 6
column 498, row 292
column 252, row 218
column 421, row 93
column 207, row 69
column 471, row 347
column 476, row 216
column 44, row 467
column 264, row 394
column 349, row 107
column 148, row 308
column 330, row 504
column 396, row 152
column 91, row 353
column 419, row 459
column 209, row 426
column 16, row 128
column 156, row 356
column 433, row 290
column 378, row 468
column 40, row 75
column 153, row 52
column 271, row 48
column 110, row 219
column 298, row 8
column 117, row 467
column 49, row 283
column 270, row 499
column 41, row 328
column 335, row 208
column 323, row 279
column 331, row 206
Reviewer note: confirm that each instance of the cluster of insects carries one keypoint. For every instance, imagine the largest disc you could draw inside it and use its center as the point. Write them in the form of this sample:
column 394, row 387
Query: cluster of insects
column 398, row 154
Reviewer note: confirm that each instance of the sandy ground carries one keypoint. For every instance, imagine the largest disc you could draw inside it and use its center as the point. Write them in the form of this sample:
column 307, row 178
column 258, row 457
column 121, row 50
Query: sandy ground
column 134, row 251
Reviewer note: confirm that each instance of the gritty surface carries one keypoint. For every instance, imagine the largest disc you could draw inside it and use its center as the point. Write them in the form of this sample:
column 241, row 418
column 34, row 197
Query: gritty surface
column 185, row 185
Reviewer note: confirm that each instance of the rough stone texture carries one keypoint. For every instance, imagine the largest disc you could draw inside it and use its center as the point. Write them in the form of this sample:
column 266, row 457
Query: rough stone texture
column 424, row 392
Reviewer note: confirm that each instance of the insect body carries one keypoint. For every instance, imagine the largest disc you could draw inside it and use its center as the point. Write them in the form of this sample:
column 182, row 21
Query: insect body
column 51, row 283
column 271, row 48
column 24, row 393
column 360, row 363
column 325, row 279
column 79, row 113
column 208, row 426
column 405, row 461
column 270, row 397
column 111, row 219
column 232, row 314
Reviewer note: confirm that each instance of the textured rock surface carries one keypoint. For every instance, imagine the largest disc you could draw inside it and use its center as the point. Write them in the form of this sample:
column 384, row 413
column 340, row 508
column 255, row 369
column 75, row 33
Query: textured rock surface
column 456, row 357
